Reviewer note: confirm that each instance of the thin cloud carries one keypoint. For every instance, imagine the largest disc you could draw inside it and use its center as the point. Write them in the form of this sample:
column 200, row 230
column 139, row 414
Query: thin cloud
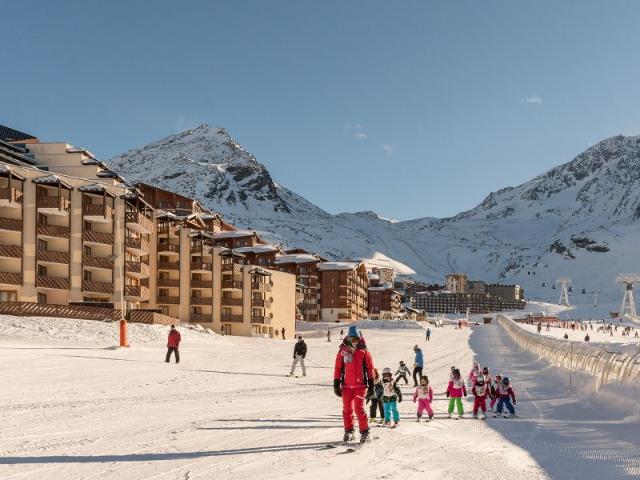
column 356, row 130
column 360, row 136
column 535, row 99
column 388, row 149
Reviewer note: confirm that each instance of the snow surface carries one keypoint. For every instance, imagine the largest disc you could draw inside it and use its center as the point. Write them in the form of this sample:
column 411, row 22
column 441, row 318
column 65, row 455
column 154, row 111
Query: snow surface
column 578, row 335
column 74, row 408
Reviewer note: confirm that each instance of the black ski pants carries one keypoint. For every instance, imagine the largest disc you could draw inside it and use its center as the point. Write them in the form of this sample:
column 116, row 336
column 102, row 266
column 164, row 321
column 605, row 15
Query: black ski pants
column 171, row 350
column 417, row 373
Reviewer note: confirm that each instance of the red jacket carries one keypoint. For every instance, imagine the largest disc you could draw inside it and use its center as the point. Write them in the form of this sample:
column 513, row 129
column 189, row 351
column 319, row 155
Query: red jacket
column 174, row 339
column 354, row 366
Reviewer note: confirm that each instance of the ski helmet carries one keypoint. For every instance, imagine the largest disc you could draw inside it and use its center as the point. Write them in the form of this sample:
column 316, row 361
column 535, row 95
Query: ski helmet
column 505, row 381
column 485, row 371
column 480, row 381
column 386, row 371
column 498, row 377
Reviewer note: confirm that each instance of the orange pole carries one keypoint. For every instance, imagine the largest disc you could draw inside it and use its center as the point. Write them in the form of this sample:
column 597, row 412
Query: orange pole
column 123, row 334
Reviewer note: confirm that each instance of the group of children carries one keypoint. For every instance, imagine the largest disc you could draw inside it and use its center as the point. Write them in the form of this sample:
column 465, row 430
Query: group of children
column 386, row 394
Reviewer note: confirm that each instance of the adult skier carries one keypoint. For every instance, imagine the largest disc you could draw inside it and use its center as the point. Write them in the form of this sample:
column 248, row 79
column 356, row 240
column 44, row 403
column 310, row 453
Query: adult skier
column 418, row 365
column 173, row 342
column 428, row 334
column 353, row 381
column 299, row 352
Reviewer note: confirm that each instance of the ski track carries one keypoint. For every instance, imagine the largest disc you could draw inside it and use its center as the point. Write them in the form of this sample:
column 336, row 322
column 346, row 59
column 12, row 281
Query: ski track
column 228, row 411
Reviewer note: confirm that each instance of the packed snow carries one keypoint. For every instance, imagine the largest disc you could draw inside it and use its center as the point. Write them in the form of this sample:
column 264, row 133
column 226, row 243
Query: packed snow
column 578, row 335
column 76, row 408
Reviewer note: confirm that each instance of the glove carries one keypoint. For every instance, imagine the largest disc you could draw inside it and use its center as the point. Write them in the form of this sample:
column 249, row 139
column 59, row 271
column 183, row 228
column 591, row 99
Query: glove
column 447, row 394
column 465, row 394
column 514, row 402
column 370, row 388
column 336, row 388
column 414, row 400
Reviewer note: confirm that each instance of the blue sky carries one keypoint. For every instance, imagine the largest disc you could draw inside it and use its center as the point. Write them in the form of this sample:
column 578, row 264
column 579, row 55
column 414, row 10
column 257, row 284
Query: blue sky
column 410, row 109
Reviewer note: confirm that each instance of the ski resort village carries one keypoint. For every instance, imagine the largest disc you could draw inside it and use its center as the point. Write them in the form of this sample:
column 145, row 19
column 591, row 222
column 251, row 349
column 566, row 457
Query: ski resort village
column 307, row 240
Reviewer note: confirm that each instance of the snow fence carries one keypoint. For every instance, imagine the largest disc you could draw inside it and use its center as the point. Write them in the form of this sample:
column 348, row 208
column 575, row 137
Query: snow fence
column 607, row 362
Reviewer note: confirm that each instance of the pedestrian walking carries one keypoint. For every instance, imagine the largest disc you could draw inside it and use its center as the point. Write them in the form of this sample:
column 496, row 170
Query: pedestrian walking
column 173, row 342
column 299, row 352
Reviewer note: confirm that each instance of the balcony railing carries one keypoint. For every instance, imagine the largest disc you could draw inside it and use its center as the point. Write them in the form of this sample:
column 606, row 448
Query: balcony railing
column 232, row 284
column 168, row 265
column 137, row 221
column 98, row 237
column 11, row 195
column 168, row 300
column 164, row 247
column 97, row 210
column 201, row 300
column 137, row 291
column 97, row 262
column 96, row 287
column 11, row 278
column 57, row 283
column 201, row 283
column 10, row 224
column 201, row 317
column 139, row 244
column 10, row 251
column 52, row 231
column 197, row 249
column 232, row 267
column 201, row 266
column 260, row 319
column 260, row 303
column 227, row 317
column 52, row 257
column 168, row 282
column 53, row 201
column 171, row 229
column 231, row 302
column 261, row 286
column 137, row 268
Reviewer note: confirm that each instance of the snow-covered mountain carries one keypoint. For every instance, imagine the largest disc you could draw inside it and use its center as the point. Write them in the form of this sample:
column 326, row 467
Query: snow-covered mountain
column 581, row 219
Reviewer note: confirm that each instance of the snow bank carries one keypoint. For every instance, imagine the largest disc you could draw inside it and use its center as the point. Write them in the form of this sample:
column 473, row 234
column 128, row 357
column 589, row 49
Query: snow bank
column 363, row 324
column 608, row 363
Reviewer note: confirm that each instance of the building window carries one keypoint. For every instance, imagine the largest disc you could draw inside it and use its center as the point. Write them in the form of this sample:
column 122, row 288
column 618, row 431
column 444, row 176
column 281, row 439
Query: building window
column 42, row 219
column 87, row 226
column 8, row 296
column 42, row 298
column 87, row 275
column 87, row 250
column 42, row 245
column 42, row 270
column 226, row 311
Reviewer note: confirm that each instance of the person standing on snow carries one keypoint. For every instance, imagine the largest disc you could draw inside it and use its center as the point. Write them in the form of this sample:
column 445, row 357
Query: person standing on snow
column 299, row 352
column 418, row 365
column 328, row 335
column 353, row 381
column 173, row 342
column 428, row 334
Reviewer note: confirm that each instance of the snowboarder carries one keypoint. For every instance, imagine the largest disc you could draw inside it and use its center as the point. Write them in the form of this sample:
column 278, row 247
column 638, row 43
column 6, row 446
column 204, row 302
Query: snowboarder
column 480, row 390
column 299, row 352
column 418, row 364
column 505, row 396
column 391, row 396
column 376, row 398
column 455, row 390
column 424, row 396
column 402, row 372
column 353, row 380
column 173, row 342
column 428, row 334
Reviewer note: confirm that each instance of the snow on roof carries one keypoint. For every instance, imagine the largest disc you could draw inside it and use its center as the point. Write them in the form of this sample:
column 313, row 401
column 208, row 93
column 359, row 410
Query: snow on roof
column 256, row 249
column 296, row 258
column 5, row 169
column 386, row 286
column 337, row 265
column 73, row 149
column 95, row 188
column 52, row 180
column 380, row 260
column 234, row 234
column 373, row 276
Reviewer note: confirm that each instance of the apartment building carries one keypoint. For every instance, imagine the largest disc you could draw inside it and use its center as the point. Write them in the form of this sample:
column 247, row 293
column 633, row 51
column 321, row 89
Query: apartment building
column 450, row 302
column 505, row 292
column 456, row 282
column 304, row 266
column 383, row 302
column 343, row 294
column 385, row 274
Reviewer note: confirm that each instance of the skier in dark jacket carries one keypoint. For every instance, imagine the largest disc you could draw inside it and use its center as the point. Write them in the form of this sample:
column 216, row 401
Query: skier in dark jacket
column 299, row 352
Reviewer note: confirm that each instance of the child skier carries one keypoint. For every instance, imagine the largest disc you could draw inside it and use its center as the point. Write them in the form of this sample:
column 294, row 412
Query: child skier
column 494, row 391
column 376, row 398
column 455, row 390
column 391, row 396
column 505, row 396
column 474, row 374
column 402, row 372
column 451, row 373
column 424, row 395
column 481, row 391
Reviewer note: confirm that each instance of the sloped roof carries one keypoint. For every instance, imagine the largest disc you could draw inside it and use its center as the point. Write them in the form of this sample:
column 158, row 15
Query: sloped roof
column 8, row 134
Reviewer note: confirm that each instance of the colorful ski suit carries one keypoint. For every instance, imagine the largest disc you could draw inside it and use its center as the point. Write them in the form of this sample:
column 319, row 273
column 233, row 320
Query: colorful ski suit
column 424, row 395
column 505, row 395
column 455, row 390
column 481, row 393
column 391, row 395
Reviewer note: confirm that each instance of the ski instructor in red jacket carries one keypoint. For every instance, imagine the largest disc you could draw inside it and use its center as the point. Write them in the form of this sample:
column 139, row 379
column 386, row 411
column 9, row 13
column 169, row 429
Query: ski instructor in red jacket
column 353, row 381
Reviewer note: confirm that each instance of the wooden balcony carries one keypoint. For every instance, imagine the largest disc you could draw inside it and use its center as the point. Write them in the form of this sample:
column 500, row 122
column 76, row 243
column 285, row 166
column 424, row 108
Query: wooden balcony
column 308, row 306
column 261, row 286
column 97, row 287
column 169, row 282
column 260, row 303
column 236, row 284
column 168, row 265
column 55, row 231
column 231, row 302
column 97, row 237
column 201, row 267
column 52, row 257
column 197, row 249
column 261, row 319
column 170, row 229
column 232, row 267
column 201, row 283
column 53, row 202
column 137, row 246
column 10, row 197
column 201, row 318
column 137, row 222
column 97, row 212
column 10, row 278
column 227, row 317
column 97, row 262
column 10, row 251
column 56, row 283
column 137, row 269
column 168, row 300
column 10, row 224
column 168, row 248
column 201, row 301
column 137, row 293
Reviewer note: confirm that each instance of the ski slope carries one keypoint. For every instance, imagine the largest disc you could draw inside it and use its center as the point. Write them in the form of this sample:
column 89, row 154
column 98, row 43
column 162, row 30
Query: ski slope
column 76, row 408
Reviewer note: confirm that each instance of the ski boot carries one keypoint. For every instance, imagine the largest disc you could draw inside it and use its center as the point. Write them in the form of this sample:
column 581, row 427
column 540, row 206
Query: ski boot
column 348, row 436
column 430, row 417
column 364, row 436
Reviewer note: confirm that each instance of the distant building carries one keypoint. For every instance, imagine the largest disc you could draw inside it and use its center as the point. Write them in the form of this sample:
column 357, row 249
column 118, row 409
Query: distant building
column 384, row 302
column 476, row 286
column 450, row 302
column 456, row 282
column 385, row 274
column 344, row 291
column 505, row 292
